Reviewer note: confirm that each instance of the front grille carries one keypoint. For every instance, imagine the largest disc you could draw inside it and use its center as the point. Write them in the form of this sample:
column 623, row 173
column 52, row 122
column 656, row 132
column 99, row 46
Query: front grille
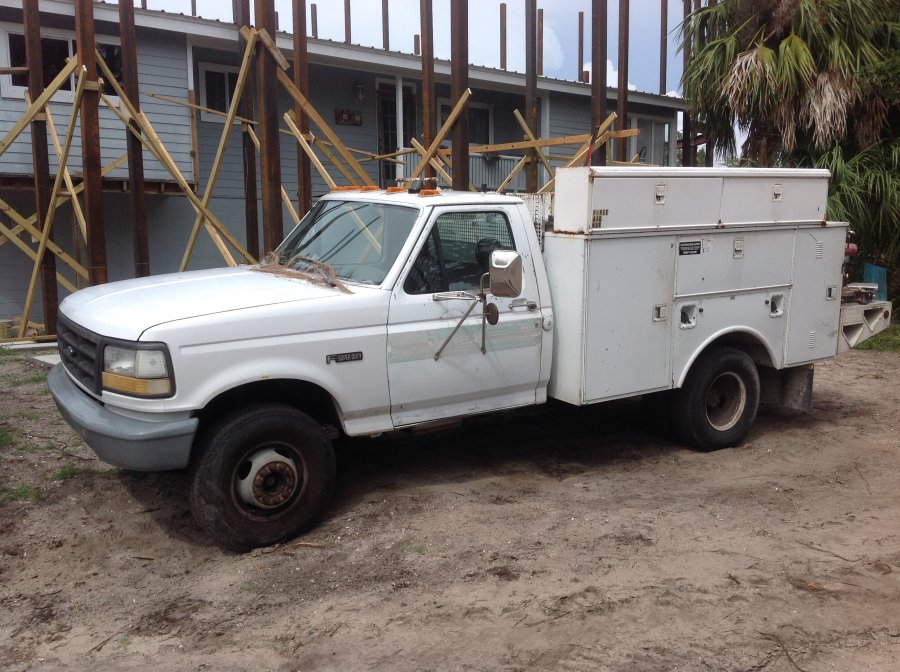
column 79, row 350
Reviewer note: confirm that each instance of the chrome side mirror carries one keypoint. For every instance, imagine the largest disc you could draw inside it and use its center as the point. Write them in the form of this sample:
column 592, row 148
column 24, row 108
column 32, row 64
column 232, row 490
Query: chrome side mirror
column 506, row 274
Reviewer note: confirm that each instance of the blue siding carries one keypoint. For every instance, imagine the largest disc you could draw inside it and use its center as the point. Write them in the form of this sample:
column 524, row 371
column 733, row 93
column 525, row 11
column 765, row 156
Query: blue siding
column 162, row 68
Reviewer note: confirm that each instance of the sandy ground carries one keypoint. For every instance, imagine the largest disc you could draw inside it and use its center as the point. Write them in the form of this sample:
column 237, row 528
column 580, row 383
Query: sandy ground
column 560, row 539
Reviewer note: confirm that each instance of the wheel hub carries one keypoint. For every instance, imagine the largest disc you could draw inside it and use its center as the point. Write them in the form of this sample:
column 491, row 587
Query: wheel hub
column 267, row 480
column 725, row 401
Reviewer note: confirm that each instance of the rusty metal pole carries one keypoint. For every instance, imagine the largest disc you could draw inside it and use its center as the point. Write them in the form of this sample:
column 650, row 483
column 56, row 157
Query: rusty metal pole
column 580, row 47
column 241, row 14
column 623, row 77
column 540, row 43
column 417, row 46
column 385, row 26
column 40, row 157
column 531, row 168
column 663, row 44
column 269, row 144
column 347, row 21
column 598, row 74
column 687, row 135
column 459, row 82
column 710, row 155
column 314, row 20
column 138, row 197
column 301, row 81
column 90, row 143
column 428, row 101
column 503, row 36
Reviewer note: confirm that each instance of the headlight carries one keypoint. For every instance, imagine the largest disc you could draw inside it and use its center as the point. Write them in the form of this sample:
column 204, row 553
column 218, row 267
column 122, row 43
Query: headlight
column 140, row 373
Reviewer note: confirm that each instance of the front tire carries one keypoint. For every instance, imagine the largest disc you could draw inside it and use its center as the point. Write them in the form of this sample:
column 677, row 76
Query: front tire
column 717, row 404
column 263, row 474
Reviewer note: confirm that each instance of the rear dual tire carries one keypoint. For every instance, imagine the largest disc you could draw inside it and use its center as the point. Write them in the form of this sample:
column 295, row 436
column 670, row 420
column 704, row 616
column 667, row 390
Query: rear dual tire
column 716, row 406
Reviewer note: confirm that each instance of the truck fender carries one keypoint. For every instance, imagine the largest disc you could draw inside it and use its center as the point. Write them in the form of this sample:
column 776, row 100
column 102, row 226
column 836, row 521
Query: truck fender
column 726, row 335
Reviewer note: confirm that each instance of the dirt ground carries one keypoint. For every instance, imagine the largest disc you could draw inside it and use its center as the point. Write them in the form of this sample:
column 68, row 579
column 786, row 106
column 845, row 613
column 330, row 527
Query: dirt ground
column 559, row 539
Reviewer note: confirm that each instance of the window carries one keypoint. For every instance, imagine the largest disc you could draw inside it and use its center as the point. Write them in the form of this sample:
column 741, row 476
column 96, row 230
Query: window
column 458, row 252
column 481, row 121
column 218, row 83
column 56, row 48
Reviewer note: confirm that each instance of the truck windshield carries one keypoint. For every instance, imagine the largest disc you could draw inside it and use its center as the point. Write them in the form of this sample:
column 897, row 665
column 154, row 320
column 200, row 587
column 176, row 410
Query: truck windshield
column 360, row 241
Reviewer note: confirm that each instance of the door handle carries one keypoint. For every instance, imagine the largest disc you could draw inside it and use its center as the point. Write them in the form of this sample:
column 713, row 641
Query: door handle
column 522, row 303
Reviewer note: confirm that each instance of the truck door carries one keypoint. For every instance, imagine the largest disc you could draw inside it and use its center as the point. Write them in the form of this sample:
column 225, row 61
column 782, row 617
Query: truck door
column 452, row 255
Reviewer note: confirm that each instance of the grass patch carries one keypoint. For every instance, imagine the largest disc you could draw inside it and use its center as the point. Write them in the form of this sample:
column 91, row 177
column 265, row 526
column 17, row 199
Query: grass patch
column 7, row 352
column 885, row 341
column 417, row 549
column 18, row 493
column 65, row 473
column 27, row 379
column 6, row 438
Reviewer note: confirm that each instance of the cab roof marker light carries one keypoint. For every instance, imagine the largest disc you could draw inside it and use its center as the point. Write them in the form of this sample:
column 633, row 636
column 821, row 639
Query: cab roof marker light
column 430, row 192
column 346, row 187
column 370, row 187
column 396, row 190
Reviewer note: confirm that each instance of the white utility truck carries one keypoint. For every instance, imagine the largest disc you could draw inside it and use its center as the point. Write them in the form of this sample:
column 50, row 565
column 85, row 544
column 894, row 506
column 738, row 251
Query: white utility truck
column 720, row 285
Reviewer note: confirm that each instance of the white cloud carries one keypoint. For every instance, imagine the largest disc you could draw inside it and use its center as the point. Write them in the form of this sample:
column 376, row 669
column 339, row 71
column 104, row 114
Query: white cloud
column 612, row 75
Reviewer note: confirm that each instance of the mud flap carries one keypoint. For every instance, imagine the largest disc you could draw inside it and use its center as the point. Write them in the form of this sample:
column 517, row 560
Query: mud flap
column 788, row 388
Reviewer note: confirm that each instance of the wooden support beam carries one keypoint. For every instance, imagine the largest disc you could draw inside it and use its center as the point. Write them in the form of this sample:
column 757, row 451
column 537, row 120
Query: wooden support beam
column 241, row 13
column 515, row 171
column 334, row 161
column 503, row 36
column 136, row 193
column 40, row 155
column 429, row 109
column 435, row 163
column 537, row 150
column 445, row 130
column 199, row 108
column 38, row 105
column 309, row 152
column 150, row 140
column 301, row 81
column 531, row 169
column 598, row 73
column 243, row 73
column 601, row 136
column 295, row 216
column 31, row 254
column 270, row 144
column 51, row 211
column 90, row 142
column 459, row 85
column 623, row 72
column 341, row 148
column 67, row 177
column 527, row 144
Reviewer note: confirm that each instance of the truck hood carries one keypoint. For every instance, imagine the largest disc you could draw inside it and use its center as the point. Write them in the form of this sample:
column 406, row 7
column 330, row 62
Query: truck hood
column 126, row 309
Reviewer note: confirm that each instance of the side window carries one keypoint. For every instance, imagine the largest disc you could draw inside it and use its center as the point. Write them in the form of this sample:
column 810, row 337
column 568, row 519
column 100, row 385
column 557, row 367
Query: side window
column 458, row 252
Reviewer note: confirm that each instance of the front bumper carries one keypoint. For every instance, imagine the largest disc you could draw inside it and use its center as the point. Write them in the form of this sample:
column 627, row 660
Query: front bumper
column 124, row 442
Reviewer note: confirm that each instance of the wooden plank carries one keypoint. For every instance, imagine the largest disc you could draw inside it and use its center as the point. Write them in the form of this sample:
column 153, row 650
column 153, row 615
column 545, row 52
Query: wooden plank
column 301, row 100
column 602, row 136
column 18, row 242
column 243, row 73
column 335, row 162
column 286, row 199
column 528, row 144
column 51, row 211
column 155, row 146
column 28, row 226
column 442, row 133
column 317, row 164
column 531, row 136
column 67, row 177
column 269, row 44
column 433, row 161
column 512, row 175
column 38, row 105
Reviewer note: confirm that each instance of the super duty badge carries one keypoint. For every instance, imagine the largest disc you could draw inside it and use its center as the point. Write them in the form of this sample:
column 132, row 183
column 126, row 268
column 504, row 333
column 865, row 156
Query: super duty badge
column 342, row 357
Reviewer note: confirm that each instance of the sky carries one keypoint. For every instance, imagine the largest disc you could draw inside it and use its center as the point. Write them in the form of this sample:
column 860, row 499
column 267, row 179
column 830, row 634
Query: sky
column 560, row 32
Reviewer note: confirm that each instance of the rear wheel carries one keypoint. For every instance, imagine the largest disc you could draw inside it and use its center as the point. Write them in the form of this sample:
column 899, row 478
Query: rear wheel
column 718, row 403
column 264, row 474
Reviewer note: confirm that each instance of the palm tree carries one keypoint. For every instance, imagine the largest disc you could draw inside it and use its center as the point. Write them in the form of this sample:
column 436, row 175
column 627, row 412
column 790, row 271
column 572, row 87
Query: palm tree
column 810, row 82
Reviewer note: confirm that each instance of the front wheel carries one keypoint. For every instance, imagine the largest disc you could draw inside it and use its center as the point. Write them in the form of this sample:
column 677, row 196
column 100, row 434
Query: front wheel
column 717, row 404
column 264, row 474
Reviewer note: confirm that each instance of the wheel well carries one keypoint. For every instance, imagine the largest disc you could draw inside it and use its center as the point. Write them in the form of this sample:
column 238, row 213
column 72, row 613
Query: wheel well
column 749, row 343
column 307, row 397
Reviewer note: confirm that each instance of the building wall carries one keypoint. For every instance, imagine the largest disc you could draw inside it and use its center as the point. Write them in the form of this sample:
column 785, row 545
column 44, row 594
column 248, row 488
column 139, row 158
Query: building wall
column 162, row 69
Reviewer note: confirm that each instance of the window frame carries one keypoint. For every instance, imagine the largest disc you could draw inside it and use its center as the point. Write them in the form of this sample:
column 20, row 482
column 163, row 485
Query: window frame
column 9, row 90
column 202, row 68
column 441, row 102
